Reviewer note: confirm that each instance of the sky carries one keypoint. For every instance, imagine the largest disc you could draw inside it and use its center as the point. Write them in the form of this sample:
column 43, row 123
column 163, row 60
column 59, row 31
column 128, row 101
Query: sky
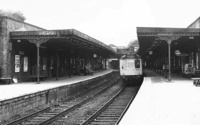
column 109, row 21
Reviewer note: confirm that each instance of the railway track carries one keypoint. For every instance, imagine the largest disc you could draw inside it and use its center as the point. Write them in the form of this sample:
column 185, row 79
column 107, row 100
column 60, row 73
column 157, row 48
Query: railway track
column 113, row 110
column 50, row 114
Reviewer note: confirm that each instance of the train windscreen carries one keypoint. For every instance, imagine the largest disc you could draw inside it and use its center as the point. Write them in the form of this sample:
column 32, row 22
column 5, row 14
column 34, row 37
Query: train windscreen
column 137, row 63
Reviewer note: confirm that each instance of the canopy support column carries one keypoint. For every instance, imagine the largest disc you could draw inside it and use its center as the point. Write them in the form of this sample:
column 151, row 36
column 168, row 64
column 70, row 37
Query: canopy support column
column 169, row 59
column 56, row 64
column 38, row 42
column 38, row 63
column 169, row 39
column 105, row 63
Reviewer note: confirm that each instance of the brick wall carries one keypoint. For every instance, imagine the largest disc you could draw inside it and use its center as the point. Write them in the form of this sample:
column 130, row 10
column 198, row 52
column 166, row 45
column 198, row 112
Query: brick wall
column 19, row 105
column 6, row 26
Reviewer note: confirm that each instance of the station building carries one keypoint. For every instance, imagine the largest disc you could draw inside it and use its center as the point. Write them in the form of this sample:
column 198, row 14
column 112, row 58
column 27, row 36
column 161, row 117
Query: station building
column 29, row 52
column 167, row 50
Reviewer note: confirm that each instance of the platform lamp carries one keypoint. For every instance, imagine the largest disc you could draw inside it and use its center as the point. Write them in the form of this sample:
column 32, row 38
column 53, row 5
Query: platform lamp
column 150, row 52
column 177, row 52
column 95, row 55
column 191, row 37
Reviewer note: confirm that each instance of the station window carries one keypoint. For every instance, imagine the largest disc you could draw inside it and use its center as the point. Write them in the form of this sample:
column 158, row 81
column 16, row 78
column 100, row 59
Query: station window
column 25, row 64
column 137, row 63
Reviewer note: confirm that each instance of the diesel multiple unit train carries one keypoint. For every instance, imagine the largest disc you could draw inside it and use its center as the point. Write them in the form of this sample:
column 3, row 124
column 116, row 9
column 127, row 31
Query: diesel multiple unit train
column 130, row 66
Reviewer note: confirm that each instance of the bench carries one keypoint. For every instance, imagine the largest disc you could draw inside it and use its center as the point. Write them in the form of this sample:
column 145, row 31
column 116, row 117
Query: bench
column 196, row 81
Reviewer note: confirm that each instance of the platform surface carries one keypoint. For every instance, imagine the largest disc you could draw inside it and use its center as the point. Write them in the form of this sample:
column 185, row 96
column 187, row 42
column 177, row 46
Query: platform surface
column 160, row 102
column 19, row 89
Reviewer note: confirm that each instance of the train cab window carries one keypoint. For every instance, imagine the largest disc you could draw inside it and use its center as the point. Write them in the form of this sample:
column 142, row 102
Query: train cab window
column 137, row 63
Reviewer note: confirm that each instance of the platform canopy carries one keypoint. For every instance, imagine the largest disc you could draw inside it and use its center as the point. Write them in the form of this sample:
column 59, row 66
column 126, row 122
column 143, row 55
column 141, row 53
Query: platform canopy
column 154, row 38
column 71, row 39
column 159, row 43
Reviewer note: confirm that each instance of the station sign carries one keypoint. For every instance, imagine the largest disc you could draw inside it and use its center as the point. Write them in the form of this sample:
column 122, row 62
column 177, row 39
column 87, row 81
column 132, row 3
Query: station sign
column 177, row 52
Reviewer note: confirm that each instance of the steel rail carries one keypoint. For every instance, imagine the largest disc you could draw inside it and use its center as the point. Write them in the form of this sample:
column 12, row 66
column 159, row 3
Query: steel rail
column 20, row 120
column 28, row 116
column 102, row 108
column 128, row 105
column 59, row 114
column 107, row 104
column 76, row 106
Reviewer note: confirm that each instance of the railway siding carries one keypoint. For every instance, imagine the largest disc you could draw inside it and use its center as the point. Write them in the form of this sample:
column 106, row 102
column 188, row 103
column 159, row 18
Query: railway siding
column 20, row 105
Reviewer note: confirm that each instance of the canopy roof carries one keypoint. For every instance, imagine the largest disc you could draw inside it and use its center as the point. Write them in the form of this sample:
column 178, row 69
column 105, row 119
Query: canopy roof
column 149, row 37
column 72, row 37
column 130, row 56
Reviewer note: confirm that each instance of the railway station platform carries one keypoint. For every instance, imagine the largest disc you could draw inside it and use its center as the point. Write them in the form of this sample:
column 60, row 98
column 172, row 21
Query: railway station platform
column 20, row 89
column 163, row 102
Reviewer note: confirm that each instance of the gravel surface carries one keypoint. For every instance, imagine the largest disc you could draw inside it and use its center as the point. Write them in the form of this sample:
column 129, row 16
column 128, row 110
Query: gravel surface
column 79, row 115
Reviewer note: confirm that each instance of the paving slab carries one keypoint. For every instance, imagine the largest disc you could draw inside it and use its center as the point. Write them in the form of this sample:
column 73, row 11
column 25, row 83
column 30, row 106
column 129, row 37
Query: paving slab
column 19, row 89
column 160, row 102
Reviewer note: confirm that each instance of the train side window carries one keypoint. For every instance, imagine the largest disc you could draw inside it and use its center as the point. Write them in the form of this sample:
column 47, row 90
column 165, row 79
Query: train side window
column 137, row 63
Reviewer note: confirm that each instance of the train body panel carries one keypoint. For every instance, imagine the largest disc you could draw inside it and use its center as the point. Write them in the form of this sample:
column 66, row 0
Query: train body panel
column 131, row 68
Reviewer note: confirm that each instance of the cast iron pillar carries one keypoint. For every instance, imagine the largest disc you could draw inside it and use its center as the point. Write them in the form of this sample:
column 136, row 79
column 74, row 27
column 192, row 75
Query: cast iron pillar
column 38, row 42
column 169, row 39
column 105, row 63
column 57, row 64
column 169, row 59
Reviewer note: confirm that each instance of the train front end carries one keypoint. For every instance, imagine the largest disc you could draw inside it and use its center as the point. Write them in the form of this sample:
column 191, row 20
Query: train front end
column 131, row 68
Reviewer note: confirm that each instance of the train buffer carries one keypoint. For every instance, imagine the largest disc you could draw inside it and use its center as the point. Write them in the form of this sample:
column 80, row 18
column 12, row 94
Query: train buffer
column 196, row 81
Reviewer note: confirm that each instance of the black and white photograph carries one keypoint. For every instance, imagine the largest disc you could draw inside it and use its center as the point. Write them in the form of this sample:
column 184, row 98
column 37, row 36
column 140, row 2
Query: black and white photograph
column 99, row 62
